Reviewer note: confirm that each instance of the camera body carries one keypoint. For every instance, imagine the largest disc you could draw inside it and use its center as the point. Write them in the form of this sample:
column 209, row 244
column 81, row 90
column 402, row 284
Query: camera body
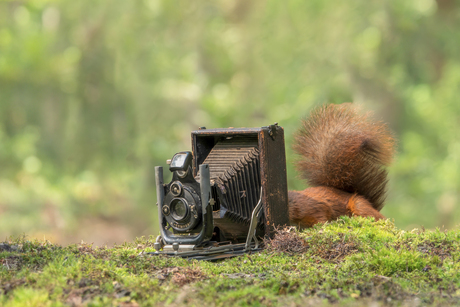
column 216, row 189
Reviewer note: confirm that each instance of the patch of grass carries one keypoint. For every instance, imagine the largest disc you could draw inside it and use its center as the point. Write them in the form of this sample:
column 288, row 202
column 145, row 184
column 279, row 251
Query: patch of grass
column 353, row 261
column 287, row 240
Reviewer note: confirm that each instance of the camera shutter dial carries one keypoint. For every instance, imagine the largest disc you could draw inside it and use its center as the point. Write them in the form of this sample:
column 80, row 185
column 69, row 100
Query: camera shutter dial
column 176, row 188
column 165, row 210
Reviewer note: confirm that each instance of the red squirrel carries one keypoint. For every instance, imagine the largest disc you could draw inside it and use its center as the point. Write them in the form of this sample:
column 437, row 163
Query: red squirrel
column 342, row 156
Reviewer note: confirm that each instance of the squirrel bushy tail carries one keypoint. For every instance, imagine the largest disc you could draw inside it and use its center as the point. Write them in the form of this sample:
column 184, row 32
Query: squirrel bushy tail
column 342, row 149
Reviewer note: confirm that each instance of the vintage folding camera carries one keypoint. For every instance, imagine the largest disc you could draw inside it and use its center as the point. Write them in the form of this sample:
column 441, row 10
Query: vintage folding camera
column 229, row 191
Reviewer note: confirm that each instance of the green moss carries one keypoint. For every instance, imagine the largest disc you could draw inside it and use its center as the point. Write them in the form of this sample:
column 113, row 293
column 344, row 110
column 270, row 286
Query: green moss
column 347, row 262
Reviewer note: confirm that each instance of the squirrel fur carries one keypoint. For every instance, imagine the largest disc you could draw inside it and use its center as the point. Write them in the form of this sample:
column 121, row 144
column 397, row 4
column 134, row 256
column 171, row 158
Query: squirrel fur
column 342, row 156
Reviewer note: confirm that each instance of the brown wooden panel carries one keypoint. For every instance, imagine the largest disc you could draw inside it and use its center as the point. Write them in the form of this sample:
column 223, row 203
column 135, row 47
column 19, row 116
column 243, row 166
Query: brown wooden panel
column 274, row 179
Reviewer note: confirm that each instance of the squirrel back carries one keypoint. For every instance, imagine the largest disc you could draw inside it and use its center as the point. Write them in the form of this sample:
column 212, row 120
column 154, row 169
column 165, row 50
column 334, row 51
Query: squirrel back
column 342, row 149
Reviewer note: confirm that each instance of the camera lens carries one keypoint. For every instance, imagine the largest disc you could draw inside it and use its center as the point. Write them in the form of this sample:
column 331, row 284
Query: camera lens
column 179, row 209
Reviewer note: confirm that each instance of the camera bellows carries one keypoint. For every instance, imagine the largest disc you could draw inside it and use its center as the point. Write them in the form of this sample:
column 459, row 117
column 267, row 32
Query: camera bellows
column 234, row 170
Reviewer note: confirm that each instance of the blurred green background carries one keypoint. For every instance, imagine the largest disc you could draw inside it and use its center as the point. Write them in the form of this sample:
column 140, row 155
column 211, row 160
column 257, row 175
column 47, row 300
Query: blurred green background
column 94, row 94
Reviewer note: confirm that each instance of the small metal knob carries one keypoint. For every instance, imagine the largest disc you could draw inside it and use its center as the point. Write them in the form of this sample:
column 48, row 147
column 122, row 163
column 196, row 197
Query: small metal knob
column 175, row 246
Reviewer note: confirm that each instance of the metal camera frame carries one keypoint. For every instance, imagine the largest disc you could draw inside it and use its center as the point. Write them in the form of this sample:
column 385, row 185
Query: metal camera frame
column 206, row 211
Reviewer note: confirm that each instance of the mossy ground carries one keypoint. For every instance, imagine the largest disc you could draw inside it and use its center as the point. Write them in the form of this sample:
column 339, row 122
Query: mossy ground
column 353, row 261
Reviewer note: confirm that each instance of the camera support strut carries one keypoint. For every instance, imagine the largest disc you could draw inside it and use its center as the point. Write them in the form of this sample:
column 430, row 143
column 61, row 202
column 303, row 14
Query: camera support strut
column 254, row 221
